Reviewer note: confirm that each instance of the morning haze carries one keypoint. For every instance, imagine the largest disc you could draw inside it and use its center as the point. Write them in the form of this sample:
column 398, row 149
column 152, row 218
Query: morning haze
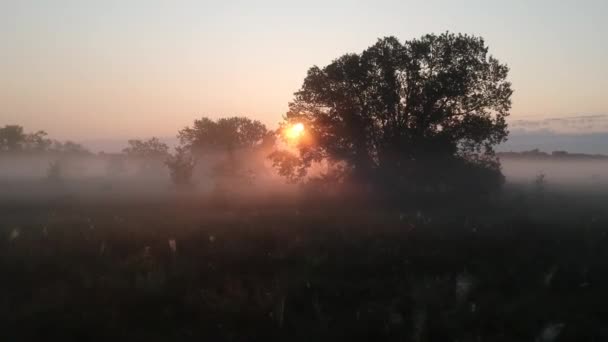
column 303, row 171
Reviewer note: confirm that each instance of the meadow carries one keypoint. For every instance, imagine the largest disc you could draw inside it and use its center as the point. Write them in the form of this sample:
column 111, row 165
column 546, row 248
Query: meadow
column 528, row 265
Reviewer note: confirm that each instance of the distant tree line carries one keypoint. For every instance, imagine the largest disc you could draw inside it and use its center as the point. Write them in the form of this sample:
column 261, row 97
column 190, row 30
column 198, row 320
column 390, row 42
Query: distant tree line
column 555, row 155
column 14, row 139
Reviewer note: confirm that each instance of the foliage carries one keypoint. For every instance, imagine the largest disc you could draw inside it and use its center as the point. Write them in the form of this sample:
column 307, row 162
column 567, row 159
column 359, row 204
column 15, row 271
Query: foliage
column 404, row 114
column 288, row 165
column 151, row 148
column 181, row 165
column 13, row 139
column 38, row 142
column 150, row 154
column 232, row 146
column 223, row 135
column 69, row 148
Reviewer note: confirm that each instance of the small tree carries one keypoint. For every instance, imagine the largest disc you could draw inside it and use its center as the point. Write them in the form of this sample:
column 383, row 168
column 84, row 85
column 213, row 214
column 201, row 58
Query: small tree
column 12, row 138
column 149, row 153
column 38, row 142
column 151, row 148
column 181, row 165
column 69, row 148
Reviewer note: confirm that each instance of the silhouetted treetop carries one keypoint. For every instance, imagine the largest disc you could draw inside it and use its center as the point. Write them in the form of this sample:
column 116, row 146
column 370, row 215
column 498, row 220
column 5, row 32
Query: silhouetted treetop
column 38, row 142
column 223, row 134
column 151, row 148
column 13, row 139
column 400, row 112
column 233, row 149
column 69, row 148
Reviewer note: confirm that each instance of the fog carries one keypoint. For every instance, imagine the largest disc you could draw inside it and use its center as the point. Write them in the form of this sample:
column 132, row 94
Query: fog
column 116, row 176
column 567, row 172
column 45, row 177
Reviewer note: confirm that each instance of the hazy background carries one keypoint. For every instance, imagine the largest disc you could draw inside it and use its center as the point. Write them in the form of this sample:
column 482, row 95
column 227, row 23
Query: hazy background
column 100, row 72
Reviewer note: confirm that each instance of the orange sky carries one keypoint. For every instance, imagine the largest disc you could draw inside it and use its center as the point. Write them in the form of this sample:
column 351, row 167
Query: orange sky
column 115, row 69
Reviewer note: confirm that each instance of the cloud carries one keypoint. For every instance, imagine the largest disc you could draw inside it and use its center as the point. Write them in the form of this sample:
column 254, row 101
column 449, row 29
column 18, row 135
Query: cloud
column 575, row 134
column 582, row 124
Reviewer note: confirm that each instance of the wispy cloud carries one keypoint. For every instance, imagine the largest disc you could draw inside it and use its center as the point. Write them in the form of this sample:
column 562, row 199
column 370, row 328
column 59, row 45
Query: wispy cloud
column 581, row 124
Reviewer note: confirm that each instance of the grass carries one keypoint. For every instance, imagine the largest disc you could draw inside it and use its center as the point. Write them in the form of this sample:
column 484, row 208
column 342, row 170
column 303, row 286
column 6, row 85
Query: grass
column 282, row 269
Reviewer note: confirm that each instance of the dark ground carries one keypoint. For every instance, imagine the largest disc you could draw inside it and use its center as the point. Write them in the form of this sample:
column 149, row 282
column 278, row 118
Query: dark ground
column 76, row 269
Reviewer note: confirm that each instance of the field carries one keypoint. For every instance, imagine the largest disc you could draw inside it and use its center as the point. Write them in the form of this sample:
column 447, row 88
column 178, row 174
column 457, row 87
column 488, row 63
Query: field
column 523, row 267
column 313, row 171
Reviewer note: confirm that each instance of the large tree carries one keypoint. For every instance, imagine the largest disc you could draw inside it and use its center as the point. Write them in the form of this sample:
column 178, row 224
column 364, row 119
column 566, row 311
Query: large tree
column 233, row 147
column 424, row 112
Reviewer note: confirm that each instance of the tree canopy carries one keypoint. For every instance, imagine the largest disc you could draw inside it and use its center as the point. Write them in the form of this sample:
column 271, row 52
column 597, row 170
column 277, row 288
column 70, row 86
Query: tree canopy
column 225, row 134
column 181, row 166
column 231, row 147
column 14, row 139
column 152, row 148
column 423, row 112
column 151, row 155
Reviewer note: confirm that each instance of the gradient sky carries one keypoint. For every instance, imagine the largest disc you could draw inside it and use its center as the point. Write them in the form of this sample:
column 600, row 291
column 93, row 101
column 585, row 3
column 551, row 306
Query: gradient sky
column 118, row 69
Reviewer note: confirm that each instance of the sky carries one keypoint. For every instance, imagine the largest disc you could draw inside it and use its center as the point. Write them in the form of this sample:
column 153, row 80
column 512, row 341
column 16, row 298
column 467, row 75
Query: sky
column 116, row 69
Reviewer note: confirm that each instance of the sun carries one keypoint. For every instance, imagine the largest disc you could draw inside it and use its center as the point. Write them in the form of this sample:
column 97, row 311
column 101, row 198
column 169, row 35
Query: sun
column 295, row 131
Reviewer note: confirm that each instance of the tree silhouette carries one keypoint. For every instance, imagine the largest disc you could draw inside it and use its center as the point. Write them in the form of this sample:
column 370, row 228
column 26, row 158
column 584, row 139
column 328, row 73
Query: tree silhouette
column 425, row 113
column 181, row 165
column 37, row 142
column 12, row 138
column 151, row 148
column 69, row 148
column 225, row 135
column 230, row 144
column 151, row 154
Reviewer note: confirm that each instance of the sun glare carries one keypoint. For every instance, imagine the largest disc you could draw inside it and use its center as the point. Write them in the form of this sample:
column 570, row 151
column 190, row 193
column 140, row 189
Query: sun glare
column 295, row 131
